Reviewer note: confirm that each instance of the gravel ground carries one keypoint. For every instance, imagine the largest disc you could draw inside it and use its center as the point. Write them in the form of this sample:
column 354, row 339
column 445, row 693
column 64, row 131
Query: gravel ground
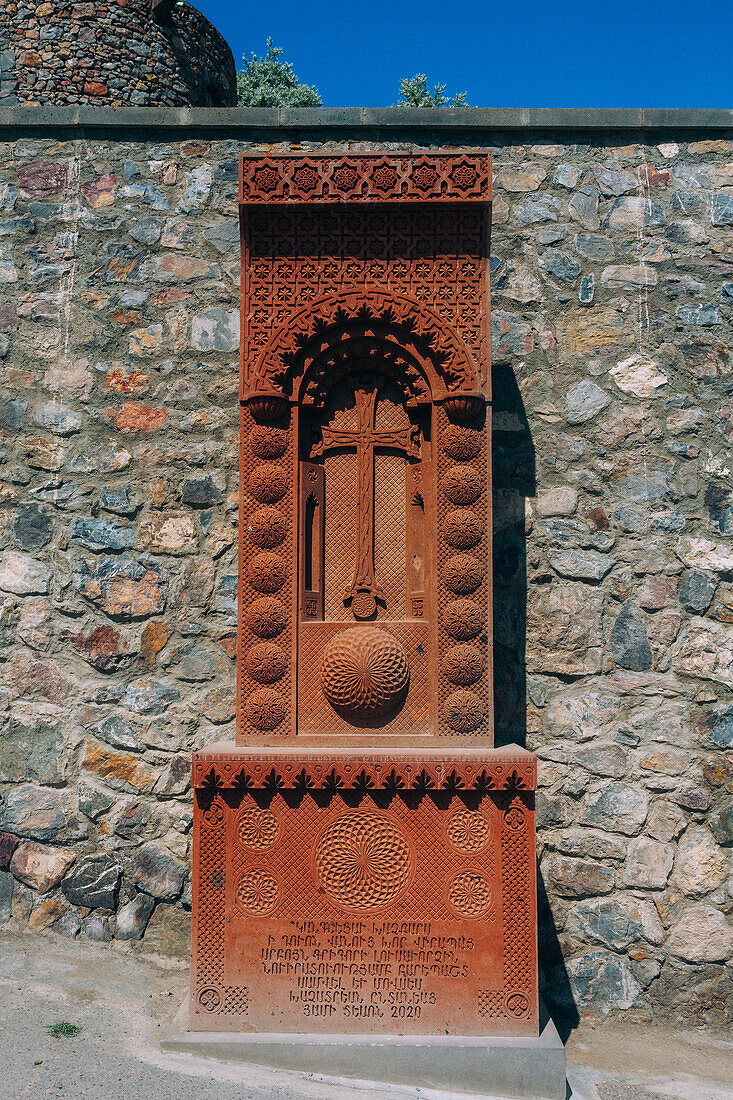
column 123, row 1001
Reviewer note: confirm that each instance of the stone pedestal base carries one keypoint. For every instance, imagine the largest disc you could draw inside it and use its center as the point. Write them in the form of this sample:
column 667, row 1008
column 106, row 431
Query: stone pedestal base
column 342, row 891
column 521, row 1068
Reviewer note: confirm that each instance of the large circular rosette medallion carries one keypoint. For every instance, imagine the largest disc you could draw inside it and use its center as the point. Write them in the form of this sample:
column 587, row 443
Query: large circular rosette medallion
column 364, row 673
column 363, row 861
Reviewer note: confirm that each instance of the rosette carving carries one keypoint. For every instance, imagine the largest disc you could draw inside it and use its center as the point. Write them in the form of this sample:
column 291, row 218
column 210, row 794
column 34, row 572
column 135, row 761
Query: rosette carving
column 363, row 861
column 266, row 617
column 463, row 574
column 267, row 527
column 463, row 529
column 268, row 483
column 463, row 665
column 468, row 831
column 265, row 709
column 462, row 484
column 365, row 672
column 268, row 442
column 461, row 443
column 463, row 620
column 266, row 572
column 258, row 892
column 266, row 663
column 257, row 828
column 464, row 711
column 469, row 894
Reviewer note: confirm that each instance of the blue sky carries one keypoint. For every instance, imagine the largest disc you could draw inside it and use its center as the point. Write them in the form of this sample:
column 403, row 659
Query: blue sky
column 577, row 53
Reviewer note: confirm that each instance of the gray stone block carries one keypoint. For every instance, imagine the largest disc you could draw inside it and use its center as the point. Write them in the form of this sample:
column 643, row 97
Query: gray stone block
column 519, row 1068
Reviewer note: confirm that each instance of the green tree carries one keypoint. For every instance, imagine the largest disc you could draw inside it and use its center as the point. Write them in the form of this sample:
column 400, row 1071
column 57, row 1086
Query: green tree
column 270, row 82
column 414, row 93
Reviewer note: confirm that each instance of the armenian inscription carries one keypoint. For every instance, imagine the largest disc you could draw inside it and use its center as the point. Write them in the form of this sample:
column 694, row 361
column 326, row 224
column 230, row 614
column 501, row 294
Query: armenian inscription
column 363, row 856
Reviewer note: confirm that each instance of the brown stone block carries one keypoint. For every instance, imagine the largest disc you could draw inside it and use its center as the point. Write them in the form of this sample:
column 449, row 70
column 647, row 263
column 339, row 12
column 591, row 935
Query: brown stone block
column 39, row 866
column 121, row 766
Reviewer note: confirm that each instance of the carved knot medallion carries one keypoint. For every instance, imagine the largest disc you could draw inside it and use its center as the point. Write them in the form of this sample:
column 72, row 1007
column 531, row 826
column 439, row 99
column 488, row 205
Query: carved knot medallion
column 365, row 672
column 363, row 861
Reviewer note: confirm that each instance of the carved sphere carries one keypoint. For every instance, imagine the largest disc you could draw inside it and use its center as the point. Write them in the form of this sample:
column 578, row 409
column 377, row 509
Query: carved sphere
column 257, row 828
column 266, row 572
column 266, row 663
column 267, row 527
column 268, row 406
column 461, row 443
column 258, row 892
column 469, row 894
column 463, row 619
column 365, row 672
column 265, row 709
column 268, row 483
column 268, row 442
column 462, row 574
column 363, row 861
column 463, row 529
column 463, row 665
column 462, row 484
column 463, row 408
column 266, row 617
column 468, row 831
column 464, row 711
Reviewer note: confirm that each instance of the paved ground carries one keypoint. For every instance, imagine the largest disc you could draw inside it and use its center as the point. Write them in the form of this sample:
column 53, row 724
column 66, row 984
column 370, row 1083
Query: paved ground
column 123, row 1001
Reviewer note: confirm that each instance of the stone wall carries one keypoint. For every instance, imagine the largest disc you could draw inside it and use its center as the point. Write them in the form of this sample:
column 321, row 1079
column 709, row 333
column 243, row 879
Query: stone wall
column 612, row 299
column 112, row 52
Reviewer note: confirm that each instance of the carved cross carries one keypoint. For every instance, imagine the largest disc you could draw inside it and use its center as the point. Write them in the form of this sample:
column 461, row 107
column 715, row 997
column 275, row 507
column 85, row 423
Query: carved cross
column 364, row 589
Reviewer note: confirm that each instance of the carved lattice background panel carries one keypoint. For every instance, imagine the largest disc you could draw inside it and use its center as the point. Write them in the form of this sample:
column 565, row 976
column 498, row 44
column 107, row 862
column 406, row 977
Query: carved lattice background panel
column 298, row 263
column 407, row 913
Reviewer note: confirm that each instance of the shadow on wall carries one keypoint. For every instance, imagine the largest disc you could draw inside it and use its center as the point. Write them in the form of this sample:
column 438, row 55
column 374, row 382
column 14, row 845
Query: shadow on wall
column 513, row 461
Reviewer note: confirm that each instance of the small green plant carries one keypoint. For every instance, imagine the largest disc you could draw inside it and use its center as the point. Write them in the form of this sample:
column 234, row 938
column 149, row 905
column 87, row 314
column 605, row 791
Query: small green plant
column 63, row 1030
column 414, row 92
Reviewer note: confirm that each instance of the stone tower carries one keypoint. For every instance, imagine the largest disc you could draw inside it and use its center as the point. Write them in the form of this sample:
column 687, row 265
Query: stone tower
column 137, row 53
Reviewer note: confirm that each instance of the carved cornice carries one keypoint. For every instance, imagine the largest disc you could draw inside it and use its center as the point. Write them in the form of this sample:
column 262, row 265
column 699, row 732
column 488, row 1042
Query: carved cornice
column 362, row 771
column 459, row 176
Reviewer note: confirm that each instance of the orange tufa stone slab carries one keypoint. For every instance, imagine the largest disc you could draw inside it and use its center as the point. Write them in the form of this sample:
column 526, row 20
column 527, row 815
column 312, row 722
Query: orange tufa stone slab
column 363, row 857
column 339, row 892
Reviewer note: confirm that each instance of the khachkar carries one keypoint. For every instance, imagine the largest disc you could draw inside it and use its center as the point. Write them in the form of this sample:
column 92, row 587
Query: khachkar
column 363, row 857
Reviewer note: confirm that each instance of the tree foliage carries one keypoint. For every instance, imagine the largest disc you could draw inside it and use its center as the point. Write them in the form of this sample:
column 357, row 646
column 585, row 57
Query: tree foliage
column 414, row 92
column 270, row 82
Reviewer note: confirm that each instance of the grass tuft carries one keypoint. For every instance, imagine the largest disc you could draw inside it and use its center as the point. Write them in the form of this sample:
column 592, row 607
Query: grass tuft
column 63, row 1030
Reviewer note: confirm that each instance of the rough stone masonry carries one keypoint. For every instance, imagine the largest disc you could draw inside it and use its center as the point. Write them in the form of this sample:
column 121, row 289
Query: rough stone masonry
column 612, row 294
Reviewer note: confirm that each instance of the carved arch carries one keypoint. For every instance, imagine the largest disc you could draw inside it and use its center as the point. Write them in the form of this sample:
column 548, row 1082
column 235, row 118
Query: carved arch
column 429, row 346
